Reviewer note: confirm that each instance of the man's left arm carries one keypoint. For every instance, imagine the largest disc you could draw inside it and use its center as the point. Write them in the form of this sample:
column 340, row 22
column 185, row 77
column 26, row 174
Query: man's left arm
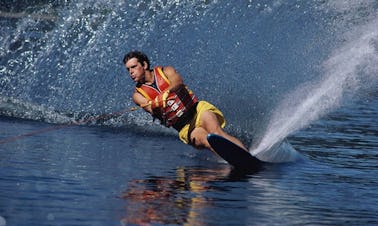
column 175, row 81
column 173, row 76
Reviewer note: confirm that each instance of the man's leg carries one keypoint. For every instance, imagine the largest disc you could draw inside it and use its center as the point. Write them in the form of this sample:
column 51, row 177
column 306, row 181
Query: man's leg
column 210, row 124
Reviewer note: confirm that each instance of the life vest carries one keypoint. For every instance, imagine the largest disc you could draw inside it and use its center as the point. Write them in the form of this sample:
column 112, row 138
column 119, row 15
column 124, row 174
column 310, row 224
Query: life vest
column 179, row 102
column 161, row 84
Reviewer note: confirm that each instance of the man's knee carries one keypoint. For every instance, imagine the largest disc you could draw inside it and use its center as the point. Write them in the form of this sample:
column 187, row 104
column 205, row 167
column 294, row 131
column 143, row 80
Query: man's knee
column 199, row 138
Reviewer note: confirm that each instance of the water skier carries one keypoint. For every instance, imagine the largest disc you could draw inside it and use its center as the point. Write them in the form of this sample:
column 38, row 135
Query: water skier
column 162, row 93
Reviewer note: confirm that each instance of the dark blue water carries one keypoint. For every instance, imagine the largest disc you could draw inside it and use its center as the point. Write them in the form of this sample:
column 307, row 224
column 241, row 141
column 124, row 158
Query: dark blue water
column 297, row 81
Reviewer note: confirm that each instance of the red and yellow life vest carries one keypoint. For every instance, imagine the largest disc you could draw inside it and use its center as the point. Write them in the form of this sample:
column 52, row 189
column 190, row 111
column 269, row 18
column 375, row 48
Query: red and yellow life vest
column 179, row 102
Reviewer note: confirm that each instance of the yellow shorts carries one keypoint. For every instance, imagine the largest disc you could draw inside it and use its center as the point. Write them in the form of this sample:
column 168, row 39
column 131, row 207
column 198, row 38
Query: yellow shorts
column 196, row 122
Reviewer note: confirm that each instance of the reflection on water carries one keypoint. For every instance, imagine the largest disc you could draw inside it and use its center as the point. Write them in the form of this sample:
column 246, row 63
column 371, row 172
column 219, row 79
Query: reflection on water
column 179, row 199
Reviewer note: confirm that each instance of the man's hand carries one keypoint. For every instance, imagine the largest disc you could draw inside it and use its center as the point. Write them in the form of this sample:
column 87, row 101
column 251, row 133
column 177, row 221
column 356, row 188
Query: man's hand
column 160, row 101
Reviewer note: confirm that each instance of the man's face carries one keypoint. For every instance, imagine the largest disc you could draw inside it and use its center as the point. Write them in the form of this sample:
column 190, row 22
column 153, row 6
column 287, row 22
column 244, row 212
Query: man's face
column 136, row 70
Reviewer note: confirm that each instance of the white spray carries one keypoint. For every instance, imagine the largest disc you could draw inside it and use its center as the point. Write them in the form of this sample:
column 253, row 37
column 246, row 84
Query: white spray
column 352, row 66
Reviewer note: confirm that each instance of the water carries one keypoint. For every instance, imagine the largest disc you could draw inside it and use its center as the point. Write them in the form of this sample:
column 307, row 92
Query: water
column 297, row 81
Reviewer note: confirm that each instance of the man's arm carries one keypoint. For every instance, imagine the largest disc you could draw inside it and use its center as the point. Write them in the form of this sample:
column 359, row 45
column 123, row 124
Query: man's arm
column 175, row 80
column 141, row 101
column 173, row 76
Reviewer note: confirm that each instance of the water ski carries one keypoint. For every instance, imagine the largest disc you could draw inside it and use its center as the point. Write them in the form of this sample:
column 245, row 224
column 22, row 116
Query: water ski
column 233, row 154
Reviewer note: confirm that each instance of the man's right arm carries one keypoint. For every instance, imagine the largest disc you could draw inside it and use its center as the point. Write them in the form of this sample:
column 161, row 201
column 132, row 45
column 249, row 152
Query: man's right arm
column 141, row 101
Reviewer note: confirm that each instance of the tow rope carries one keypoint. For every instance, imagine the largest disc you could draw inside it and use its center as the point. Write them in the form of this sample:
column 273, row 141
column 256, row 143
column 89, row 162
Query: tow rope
column 74, row 123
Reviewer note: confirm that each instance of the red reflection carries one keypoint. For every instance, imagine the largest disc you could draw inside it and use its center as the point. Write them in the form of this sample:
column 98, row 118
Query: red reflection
column 177, row 200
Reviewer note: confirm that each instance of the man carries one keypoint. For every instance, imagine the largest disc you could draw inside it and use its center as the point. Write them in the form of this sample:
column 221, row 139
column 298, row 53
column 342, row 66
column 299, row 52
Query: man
column 161, row 92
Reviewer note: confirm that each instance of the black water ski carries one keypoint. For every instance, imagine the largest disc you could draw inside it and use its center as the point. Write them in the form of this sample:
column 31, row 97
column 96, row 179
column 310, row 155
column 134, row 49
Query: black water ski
column 233, row 154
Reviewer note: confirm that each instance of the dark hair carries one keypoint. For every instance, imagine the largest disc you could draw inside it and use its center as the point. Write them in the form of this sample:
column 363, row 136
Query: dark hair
column 139, row 55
